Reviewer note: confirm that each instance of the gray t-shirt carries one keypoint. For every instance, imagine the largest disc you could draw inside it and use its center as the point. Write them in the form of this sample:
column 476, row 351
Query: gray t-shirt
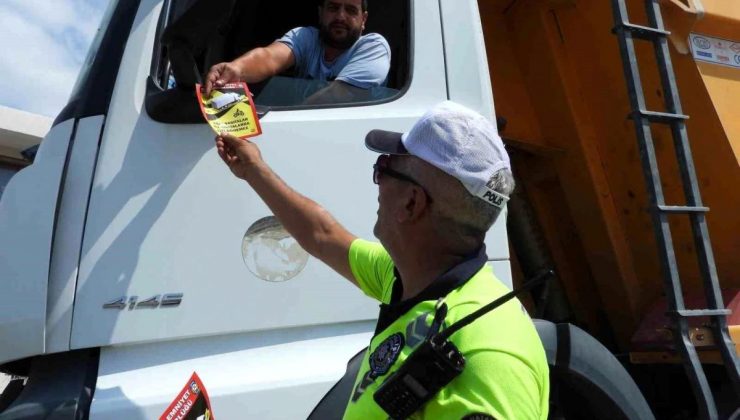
column 365, row 64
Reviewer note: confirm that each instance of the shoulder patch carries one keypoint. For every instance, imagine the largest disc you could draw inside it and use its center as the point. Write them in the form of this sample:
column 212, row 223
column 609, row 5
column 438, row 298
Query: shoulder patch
column 385, row 355
column 478, row 416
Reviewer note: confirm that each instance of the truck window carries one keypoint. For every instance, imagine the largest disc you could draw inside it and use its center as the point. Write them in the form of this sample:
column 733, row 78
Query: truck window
column 193, row 35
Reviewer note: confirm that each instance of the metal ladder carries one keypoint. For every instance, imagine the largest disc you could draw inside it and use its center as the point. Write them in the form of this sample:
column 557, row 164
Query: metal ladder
column 656, row 34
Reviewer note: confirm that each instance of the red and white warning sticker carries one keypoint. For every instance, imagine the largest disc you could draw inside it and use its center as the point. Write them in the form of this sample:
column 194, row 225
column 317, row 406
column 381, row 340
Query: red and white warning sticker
column 191, row 403
column 230, row 108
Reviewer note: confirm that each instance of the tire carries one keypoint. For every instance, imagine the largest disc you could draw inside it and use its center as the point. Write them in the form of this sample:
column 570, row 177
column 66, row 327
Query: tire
column 586, row 380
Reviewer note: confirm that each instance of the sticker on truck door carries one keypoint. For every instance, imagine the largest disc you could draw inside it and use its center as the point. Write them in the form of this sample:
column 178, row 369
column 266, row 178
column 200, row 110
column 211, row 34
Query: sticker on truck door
column 230, row 108
column 191, row 403
column 715, row 50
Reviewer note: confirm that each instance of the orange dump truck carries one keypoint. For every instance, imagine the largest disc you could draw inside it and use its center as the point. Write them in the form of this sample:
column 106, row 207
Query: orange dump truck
column 583, row 135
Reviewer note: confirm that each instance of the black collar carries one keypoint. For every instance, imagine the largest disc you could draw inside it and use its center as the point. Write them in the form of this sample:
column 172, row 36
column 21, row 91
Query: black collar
column 443, row 285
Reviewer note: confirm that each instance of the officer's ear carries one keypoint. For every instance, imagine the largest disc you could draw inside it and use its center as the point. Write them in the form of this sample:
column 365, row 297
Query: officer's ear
column 415, row 204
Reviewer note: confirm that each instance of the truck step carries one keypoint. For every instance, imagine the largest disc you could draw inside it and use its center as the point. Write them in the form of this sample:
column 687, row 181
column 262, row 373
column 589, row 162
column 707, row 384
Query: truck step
column 683, row 209
column 645, row 33
column 690, row 313
column 658, row 117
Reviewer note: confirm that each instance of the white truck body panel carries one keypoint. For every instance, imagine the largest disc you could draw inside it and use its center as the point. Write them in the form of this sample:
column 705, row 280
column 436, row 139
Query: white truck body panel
column 27, row 218
column 468, row 77
column 277, row 375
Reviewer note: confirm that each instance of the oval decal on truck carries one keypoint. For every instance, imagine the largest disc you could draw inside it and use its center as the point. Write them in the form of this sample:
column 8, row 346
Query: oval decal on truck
column 270, row 253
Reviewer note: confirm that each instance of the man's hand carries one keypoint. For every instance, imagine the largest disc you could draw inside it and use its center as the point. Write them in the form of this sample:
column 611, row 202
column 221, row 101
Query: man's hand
column 239, row 155
column 221, row 74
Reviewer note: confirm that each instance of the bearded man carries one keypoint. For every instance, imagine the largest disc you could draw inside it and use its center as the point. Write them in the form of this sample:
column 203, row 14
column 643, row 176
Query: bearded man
column 336, row 52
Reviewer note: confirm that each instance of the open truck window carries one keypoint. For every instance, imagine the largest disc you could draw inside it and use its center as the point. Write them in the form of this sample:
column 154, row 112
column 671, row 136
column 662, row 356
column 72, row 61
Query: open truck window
column 193, row 35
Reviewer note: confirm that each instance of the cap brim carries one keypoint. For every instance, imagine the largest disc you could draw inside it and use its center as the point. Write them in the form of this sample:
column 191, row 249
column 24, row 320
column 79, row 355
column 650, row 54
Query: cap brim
column 386, row 142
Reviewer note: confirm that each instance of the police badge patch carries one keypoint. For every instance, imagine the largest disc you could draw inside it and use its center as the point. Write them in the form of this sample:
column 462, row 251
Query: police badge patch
column 385, row 355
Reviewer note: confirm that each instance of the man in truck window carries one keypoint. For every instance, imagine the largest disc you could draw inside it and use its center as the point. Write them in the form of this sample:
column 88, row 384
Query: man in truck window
column 441, row 187
column 336, row 52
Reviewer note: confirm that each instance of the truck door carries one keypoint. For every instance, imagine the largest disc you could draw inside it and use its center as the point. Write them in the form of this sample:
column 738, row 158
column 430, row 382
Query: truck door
column 176, row 248
column 166, row 217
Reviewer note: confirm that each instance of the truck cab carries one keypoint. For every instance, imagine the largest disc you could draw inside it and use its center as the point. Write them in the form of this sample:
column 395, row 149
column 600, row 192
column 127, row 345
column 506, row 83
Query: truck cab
column 131, row 258
column 129, row 236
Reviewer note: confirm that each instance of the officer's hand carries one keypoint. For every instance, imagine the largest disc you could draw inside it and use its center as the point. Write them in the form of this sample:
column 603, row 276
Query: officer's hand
column 221, row 74
column 240, row 155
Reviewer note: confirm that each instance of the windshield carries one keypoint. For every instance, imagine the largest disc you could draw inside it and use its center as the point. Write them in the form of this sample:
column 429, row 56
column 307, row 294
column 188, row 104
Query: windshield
column 94, row 47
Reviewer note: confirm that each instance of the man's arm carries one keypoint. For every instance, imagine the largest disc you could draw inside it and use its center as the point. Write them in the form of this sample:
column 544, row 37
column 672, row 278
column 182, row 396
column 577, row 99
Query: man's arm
column 309, row 223
column 254, row 66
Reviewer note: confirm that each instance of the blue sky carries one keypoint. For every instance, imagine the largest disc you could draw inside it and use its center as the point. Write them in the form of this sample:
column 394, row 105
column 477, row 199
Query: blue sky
column 43, row 44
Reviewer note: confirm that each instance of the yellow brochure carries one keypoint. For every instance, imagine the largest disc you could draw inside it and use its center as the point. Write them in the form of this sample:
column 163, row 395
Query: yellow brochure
column 230, row 109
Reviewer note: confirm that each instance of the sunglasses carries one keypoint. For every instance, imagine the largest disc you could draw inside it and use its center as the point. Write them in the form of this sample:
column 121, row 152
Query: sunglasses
column 382, row 168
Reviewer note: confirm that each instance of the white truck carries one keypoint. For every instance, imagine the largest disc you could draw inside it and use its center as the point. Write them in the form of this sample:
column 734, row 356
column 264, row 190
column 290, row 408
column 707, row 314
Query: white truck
column 131, row 258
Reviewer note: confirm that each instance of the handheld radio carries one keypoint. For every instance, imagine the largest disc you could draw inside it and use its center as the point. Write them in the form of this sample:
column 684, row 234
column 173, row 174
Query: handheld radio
column 436, row 362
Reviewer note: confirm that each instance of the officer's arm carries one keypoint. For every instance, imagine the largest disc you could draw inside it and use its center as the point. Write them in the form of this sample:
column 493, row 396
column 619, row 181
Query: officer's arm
column 309, row 223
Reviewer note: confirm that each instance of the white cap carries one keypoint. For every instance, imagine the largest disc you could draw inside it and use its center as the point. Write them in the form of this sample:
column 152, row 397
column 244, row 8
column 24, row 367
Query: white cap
column 455, row 139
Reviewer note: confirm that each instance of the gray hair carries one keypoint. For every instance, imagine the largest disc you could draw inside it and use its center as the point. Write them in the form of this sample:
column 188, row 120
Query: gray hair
column 459, row 213
column 468, row 215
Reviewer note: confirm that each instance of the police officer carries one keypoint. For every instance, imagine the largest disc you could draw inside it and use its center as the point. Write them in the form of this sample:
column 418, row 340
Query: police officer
column 441, row 187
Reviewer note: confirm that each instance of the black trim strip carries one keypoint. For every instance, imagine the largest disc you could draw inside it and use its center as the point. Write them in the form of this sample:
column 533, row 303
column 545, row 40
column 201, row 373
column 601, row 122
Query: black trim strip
column 444, row 48
column 93, row 95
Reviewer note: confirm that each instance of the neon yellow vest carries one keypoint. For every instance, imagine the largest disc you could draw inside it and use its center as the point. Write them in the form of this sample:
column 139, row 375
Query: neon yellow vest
column 506, row 374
